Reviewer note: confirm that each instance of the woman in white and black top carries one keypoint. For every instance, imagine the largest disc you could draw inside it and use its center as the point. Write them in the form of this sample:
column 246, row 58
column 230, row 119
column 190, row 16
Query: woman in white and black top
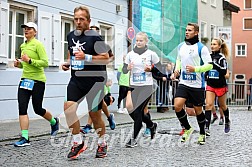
column 140, row 62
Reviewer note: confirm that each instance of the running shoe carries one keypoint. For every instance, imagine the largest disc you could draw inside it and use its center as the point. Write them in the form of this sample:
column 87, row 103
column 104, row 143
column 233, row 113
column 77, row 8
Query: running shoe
column 120, row 110
column 147, row 132
column 86, row 129
column 22, row 142
column 187, row 134
column 202, row 139
column 102, row 150
column 111, row 120
column 153, row 130
column 76, row 150
column 214, row 119
column 221, row 121
column 182, row 132
column 249, row 108
column 131, row 143
column 55, row 128
column 207, row 131
column 227, row 127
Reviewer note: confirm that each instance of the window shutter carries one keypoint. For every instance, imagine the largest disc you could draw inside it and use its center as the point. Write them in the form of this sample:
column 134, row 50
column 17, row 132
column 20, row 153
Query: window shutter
column 56, row 54
column 118, row 47
column 248, row 23
column 45, row 32
column 248, row 4
column 4, row 27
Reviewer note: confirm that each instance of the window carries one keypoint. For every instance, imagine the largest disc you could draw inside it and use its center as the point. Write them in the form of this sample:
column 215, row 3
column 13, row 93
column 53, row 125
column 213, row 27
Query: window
column 66, row 27
column 203, row 29
column 247, row 24
column 18, row 14
column 213, row 3
column 213, row 31
column 16, row 35
column 107, row 34
column 248, row 4
column 240, row 50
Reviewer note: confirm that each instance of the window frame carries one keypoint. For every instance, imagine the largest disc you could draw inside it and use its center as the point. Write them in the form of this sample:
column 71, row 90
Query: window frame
column 213, row 4
column 30, row 13
column 64, row 20
column 205, row 29
column 244, row 23
column 13, row 35
column 245, row 49
column 109, row 39
column 214, row 31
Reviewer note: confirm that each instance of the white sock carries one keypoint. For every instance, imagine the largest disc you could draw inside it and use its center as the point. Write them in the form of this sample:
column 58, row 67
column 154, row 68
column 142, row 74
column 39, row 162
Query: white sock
column 101, row 140
column 77, row 139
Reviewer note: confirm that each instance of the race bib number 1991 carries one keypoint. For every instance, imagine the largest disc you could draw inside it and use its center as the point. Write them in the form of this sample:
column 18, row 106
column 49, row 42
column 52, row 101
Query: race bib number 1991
column 189, row 76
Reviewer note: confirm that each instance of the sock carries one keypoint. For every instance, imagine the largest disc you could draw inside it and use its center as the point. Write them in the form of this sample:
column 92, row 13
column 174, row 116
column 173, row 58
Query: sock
column 52, row 121
column 208, row 118
column 183, row 119
column 77, row 138
column 214, row 115
column 101, row 140
column 148, row 115
column 226, row 114
column 25, row 134
column 182, row 126
column 201, row 121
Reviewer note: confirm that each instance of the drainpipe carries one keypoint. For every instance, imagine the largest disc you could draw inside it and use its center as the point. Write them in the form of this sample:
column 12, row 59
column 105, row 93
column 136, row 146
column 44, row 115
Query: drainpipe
column 129, row 22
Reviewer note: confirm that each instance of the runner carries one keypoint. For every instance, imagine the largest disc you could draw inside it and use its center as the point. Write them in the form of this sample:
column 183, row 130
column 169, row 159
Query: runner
column 193, row 59
column 87, row 51
column 216, row 82
column 139, row 63
column 33, row 61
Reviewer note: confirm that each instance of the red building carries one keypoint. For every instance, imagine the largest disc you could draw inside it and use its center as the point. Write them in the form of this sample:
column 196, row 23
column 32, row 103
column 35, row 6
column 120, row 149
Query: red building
column 242, row 44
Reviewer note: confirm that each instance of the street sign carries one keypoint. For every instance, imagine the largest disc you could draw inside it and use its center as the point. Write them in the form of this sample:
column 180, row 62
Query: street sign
column 131, row 33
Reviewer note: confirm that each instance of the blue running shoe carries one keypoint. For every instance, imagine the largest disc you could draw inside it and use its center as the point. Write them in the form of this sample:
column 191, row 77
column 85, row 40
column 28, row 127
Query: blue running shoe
column 227, row 127
column 86, row 129
column 22, row 142
column 55, row 128
column 147, row 132
column 111, row 120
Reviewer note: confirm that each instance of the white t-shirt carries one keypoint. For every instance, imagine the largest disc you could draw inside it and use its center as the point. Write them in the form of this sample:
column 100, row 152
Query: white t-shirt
column 138, row 77
column 189, row 55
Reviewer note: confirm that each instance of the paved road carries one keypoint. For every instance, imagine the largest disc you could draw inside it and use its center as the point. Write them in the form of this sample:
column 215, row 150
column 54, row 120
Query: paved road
column 232, row 149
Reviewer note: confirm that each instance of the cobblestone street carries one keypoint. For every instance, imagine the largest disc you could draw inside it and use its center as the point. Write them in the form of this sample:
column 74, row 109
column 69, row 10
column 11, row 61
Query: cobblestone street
column 232, row 149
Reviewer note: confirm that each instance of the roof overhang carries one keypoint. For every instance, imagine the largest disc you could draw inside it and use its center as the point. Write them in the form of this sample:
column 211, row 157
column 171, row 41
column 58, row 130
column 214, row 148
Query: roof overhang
column 230, row 7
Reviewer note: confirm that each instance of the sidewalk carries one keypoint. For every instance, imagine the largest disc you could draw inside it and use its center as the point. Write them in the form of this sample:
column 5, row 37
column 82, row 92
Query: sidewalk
column 40, row 127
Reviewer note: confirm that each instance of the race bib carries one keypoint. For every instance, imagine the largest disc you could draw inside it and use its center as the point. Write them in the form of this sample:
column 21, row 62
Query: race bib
column 76, row 64
column 189, row 76
column 27, row 84
column 213, row 74
column 139, row 77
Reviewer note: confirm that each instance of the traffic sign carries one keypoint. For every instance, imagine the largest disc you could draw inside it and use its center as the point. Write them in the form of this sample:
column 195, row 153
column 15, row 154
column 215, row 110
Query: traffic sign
column 131, row 33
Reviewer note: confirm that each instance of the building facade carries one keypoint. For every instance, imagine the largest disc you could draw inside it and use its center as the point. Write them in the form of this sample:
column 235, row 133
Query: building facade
column 54, row 20
column 242, row 44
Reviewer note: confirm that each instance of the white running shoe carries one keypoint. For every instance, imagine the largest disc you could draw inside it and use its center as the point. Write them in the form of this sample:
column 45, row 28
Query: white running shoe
column 125, row 111
column 120, row 110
